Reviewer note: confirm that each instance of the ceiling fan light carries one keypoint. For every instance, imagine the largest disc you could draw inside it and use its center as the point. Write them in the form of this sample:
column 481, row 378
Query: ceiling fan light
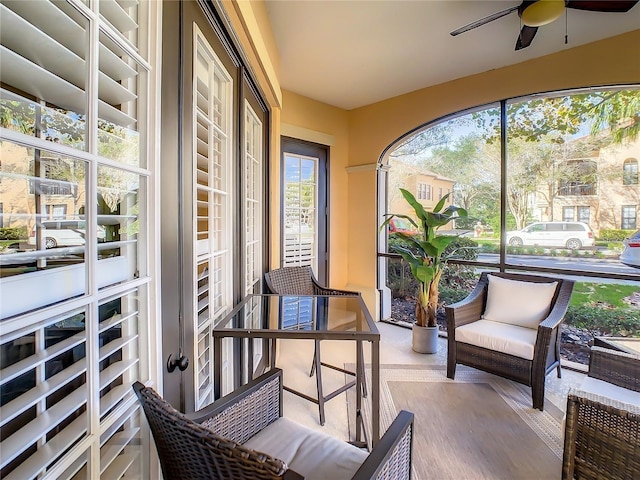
column 542, row 12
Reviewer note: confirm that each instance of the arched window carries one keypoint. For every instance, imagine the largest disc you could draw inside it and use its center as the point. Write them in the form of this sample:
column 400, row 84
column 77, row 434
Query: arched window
column 630, row 172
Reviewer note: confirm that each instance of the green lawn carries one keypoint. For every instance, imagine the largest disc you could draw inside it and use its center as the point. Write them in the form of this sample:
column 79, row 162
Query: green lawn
column 602, row 293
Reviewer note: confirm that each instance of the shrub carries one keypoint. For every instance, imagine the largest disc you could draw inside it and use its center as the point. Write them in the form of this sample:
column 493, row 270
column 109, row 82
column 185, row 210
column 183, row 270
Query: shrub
column 449, row 295
column 614, row 234
column 9, row 233
column 615, row 322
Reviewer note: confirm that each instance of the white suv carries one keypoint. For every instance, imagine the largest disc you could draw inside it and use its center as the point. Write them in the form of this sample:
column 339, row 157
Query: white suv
column 571, row 235
column 63, row 233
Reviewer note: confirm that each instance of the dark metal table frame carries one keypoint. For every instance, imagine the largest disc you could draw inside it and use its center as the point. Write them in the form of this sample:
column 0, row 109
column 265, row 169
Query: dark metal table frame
column 223, row 330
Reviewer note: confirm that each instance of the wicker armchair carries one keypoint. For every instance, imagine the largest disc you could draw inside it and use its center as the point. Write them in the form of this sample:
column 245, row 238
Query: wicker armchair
column 218, row 442
column 602, row 427
column 545, row 345
column 301, row 281
column 298, row 281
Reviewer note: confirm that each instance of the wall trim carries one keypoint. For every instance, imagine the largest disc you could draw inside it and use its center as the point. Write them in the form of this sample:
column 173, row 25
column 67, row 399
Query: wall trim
column 301, row 133
column 367, row 167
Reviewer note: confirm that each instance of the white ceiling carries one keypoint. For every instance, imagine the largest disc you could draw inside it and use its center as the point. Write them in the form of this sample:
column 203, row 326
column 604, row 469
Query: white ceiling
column 354, row 53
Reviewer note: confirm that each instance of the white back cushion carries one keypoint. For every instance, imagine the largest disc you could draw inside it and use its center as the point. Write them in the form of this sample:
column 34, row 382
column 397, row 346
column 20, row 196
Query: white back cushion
column 524, row 304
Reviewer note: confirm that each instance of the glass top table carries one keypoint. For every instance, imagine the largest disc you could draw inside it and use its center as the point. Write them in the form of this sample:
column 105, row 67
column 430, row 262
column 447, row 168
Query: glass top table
column 317, row 317
column 622, row 344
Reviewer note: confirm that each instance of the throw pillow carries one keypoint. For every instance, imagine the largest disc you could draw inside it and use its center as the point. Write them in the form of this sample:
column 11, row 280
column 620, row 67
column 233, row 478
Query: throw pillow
column 524, row 304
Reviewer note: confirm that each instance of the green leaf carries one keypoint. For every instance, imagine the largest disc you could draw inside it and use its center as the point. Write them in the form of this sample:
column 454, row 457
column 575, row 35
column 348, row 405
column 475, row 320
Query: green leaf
column 441, row 203
column 417, row 206
column 424, row 273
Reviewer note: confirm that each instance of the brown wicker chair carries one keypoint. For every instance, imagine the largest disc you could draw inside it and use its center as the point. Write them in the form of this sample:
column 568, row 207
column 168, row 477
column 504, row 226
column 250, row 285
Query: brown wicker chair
column 208, row 444
column 301, row 281
column 546, row 352
column 602, row 434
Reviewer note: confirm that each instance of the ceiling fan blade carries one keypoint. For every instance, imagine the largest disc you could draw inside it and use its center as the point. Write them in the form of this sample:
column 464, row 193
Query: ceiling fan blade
column 526, row 37
column 620, row 6
column 483, row 21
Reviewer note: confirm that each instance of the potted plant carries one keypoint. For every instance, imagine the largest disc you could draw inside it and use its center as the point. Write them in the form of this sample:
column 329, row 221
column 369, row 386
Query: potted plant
column 426, row 257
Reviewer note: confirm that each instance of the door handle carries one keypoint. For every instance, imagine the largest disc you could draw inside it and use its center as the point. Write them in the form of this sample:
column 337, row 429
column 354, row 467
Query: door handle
column 181, row 363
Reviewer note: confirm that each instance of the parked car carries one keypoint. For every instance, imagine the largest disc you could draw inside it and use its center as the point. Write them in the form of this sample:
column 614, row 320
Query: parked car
column 631, row 254
column 63, row 233
column 401, row 225
column 571, row 235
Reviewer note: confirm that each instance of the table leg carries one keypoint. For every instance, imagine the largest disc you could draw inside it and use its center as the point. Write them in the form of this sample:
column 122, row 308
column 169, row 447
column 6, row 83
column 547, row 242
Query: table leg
column 375, row 392
column 217, row 366
column 359, row 371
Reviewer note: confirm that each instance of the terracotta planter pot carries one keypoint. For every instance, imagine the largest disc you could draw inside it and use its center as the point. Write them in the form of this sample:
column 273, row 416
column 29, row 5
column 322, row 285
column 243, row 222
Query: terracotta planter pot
column 424, row 339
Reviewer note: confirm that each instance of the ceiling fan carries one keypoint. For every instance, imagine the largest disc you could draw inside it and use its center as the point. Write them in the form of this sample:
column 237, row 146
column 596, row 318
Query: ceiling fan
column 535, row 13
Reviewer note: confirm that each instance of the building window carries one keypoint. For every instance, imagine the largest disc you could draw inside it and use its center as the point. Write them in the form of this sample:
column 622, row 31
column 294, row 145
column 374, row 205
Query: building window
column 629, row 217
column 439, row 193
column 55, row 212
column 630, row 172
column 578, row 178
column 568, row 214
column 424, row 191
column 584, row 214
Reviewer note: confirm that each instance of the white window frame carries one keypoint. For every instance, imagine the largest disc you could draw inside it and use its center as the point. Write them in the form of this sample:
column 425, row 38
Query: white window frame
column 94, row 454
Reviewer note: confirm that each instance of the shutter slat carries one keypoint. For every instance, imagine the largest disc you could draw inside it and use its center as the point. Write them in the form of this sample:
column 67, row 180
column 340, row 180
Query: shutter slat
column 37, row 462
column 33, row 79
column 115, row 345
column 46, row 16
column 116, row 444
column 113, row 371
column 116, row 319
column 113, row 397
column 15, row 444
column 18, row 405
column 119, row 466
column 32, row 361
column 34, row 45
column 116, row 16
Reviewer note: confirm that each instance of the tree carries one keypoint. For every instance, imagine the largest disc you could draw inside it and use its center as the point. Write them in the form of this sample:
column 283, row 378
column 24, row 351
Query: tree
column 421, row 142
column 614, row 112
column 475, row 169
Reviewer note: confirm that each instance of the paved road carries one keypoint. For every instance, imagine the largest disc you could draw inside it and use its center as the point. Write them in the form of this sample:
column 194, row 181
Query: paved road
column 599, row 265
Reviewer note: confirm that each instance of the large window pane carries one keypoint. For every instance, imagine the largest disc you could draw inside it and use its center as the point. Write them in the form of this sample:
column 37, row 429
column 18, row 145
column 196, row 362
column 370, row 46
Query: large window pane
column 43, row 197
column 568, row 188
column 570, row 198
column 118, row 224
column 458, row 158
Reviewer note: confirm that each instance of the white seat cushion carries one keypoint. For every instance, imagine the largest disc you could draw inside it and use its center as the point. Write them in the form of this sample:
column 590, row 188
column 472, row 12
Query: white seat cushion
column 606, row 389
column 500, row 337
column 518, row 303
column 313, row 454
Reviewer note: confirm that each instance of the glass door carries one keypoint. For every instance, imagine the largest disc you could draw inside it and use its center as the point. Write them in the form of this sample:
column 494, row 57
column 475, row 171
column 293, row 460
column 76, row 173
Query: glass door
column 304, row 209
